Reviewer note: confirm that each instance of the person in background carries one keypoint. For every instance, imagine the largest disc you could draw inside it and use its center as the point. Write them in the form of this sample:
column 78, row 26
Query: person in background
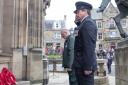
column 68, row 55
column 85, row 58
column 109, row 61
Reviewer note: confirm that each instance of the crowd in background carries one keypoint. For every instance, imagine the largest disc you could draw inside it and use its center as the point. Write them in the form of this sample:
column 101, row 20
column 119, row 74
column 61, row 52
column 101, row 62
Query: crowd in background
column 103, row 53
column 108, row 55
column 51, row 50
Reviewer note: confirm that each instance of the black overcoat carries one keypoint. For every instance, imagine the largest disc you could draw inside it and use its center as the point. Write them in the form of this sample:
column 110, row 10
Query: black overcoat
column 85, row 43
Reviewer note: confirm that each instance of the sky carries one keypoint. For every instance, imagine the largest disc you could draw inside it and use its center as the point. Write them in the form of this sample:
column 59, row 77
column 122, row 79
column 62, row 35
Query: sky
column 59, row 8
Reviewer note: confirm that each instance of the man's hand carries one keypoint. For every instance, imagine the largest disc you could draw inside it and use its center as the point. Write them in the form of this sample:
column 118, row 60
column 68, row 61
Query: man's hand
column 87, row 72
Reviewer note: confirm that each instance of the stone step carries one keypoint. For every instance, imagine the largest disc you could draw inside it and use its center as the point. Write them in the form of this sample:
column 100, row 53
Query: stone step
column 23, row 83
column 26, row 83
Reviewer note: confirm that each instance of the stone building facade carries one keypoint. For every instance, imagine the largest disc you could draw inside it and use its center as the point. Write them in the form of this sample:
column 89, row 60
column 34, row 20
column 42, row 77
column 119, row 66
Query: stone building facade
column 52, row 38
column 21, row 31
column 108, row 34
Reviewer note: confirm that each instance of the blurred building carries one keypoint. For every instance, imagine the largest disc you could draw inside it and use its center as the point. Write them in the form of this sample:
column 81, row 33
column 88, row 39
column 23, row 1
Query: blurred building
column 52, row 38
column 108, row 34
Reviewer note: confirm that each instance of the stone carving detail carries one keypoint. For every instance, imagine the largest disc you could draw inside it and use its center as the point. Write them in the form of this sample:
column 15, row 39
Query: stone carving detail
column 46, row 4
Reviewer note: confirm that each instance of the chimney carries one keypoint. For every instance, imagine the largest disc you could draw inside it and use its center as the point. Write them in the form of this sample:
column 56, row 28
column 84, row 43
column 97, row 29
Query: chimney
column 65, row 17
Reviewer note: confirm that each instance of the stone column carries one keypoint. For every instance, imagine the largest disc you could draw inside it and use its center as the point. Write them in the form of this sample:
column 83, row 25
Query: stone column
column 35, row 66
column 28, row 25
column 19, row 23
column 34, row 58
column 17, row 63
column 35, row 23
column 1, row 22
column 101, row 78
column 7, row 25
column 121, row 62
column 19, row 39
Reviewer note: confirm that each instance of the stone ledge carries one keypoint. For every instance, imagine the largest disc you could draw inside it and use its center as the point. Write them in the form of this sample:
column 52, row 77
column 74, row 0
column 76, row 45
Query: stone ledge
column 23, row 83
column 123, row 43
column 101, row 80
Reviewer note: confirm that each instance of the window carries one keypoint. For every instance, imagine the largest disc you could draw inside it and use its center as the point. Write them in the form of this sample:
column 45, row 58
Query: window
column 111, row 24
column 113, row 45
column 57, row 36
column 57, row 24
column 100, row 46
column 49, row 44
column 99, row 25
column 112, row 34
column 100, row 36
column 57, row 44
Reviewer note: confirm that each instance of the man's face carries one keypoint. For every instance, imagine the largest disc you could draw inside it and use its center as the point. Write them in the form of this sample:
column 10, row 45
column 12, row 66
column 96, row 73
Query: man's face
column 63, row 34
column 80, row 14
column 77, row 18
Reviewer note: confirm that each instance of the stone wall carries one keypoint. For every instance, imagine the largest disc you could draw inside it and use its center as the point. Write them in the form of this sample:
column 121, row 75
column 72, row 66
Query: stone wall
column 21, row 29
column 5, row 61
column 17, row 64
column 35, row 66
column 121, row 63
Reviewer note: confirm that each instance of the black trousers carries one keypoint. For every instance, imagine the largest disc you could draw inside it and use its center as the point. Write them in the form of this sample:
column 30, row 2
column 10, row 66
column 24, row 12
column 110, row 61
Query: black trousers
column 109, row 63
column 83, row 79
column 72, row 78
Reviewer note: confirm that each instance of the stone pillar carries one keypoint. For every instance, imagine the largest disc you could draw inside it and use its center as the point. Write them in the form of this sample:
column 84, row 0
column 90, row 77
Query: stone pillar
column 19, row 39
column 28, row 18
column 7, row 25
column 35, row 23
column 34, row 41
column 1, row 22
column 19, row 23
column 121, row 63
column 17, row 64
column 101, row 78
column 35, row 66
column 101, row 70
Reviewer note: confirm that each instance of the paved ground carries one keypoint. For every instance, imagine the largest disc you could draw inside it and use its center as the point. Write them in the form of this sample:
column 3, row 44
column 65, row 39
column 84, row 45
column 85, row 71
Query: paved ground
column 111, row 80
column 62, row 79
column 58, row 79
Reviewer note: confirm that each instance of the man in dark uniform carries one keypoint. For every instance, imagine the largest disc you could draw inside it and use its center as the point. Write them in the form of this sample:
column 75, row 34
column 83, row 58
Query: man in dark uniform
column 68, row 55
column 85, row 58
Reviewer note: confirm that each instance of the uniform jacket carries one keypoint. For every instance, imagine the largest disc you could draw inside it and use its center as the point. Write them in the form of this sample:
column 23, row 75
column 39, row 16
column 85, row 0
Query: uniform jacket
column 68, row 54
column 85, row 43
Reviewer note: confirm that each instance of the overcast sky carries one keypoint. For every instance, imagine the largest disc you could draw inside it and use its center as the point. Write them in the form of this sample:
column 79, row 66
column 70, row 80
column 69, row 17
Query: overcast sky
column 59, row 8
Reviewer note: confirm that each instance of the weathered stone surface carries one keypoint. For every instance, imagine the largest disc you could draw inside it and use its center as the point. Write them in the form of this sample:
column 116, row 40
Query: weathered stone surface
column 17, row 64
column 5, row 61
column 123, row 43
column 35, row 65
column 101, row 70
column 121, row 63
column 101, row 80
column 21, row 26
column 23, row 83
